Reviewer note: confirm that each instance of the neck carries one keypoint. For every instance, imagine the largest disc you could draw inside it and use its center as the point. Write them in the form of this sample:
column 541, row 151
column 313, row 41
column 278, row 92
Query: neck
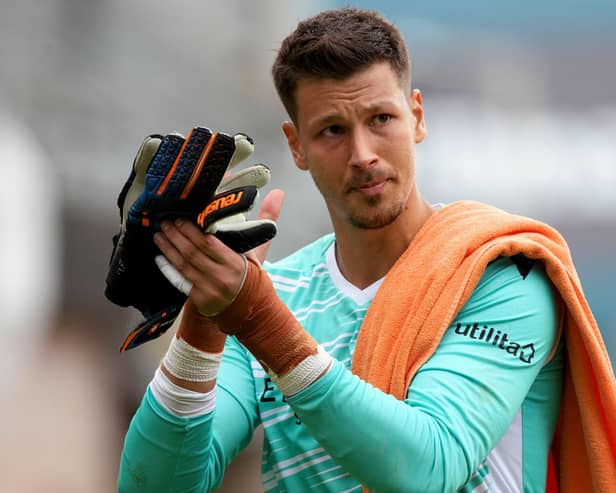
column 366, row 255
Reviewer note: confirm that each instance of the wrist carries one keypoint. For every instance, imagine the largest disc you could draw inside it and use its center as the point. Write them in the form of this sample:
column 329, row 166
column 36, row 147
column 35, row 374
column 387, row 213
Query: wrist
column 201, row 387
column 201, row 332
column 179, row 399
column 265, row 326
column 189, row 364
column 304, row 374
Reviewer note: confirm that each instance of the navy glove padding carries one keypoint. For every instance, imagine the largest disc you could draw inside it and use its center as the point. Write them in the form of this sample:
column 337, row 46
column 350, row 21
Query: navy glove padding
column 175, row 177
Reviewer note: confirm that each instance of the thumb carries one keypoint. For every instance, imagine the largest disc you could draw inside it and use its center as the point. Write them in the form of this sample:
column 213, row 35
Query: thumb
column 270, row 209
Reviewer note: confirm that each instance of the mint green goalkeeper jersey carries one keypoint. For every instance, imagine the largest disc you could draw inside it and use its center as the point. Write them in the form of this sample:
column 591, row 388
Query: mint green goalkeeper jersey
column 479, row 414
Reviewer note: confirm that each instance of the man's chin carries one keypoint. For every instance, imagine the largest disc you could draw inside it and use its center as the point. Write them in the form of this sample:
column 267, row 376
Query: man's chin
column 376, row 220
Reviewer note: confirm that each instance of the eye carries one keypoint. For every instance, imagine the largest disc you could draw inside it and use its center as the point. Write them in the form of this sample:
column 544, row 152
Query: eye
column 381, row 119
column 332, row 130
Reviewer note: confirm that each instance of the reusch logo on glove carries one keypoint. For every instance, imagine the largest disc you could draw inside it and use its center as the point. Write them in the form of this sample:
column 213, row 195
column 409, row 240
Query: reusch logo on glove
column 223, row 202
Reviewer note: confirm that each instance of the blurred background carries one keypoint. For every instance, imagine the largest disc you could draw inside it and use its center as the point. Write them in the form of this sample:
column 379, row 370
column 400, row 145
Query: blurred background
column 521, row 113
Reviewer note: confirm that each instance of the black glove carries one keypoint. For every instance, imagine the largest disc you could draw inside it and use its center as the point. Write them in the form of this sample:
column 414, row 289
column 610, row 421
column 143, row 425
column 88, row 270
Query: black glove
column 175, row 177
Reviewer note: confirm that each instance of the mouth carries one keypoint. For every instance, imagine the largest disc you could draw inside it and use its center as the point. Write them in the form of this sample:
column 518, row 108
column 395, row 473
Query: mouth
column 373, row 187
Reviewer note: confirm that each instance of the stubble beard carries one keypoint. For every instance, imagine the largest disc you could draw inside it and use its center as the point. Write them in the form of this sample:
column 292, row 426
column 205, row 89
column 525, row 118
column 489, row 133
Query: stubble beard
column 376, row 217
column 377, row 211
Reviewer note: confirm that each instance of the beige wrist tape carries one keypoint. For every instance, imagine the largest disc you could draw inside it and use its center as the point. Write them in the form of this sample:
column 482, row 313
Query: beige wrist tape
column 188, row 363
column 265, row 326
column 304, row 374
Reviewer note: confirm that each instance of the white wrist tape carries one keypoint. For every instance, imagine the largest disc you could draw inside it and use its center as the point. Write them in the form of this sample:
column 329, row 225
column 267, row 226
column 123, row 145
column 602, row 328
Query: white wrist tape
column 188, row 363
column 180, row 401
column 304, row 374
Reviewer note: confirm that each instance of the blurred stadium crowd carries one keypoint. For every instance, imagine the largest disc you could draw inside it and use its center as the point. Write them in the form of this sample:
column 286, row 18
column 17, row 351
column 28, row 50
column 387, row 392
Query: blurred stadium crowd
column 521, row 113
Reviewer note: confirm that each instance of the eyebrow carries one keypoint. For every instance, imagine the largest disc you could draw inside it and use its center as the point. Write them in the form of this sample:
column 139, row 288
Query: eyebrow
column 334, row 117
column 326, row 120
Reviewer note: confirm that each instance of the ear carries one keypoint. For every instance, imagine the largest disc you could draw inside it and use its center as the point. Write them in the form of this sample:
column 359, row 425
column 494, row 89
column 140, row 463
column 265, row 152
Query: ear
column 416, row 102
column 290, row 132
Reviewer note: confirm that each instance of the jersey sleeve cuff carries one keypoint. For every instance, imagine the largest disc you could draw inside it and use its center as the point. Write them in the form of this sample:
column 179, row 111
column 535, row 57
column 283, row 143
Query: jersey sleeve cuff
column 180, row 401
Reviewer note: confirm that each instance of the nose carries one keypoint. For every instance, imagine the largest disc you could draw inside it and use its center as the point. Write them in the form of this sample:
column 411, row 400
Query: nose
column 362, row 154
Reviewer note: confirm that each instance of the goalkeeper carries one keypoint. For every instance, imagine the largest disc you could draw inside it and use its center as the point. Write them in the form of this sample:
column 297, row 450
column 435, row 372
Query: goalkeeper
column 454, row 382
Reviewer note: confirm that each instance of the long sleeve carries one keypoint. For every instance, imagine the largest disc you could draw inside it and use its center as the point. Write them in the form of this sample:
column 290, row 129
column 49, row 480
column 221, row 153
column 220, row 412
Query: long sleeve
column 167, row 453
column 460, row 403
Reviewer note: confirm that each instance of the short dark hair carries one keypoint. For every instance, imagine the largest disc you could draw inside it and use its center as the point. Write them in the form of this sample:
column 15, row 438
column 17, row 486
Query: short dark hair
column 336, row 44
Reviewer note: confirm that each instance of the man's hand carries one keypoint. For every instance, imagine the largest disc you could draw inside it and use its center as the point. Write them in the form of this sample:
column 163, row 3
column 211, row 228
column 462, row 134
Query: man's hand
column 214, row 271
column 230, row 295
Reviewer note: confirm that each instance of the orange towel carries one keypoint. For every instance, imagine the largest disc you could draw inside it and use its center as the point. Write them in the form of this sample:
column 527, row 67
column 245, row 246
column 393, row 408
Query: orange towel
column 428, row 286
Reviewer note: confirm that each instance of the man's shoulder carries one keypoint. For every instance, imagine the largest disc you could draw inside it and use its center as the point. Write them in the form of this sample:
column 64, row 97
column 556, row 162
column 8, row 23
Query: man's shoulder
column 512, row 274
column 515, row 309
column 516, row 291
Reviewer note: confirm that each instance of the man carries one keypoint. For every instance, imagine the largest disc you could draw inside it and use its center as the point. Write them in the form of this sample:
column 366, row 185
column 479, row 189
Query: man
column 479, row 411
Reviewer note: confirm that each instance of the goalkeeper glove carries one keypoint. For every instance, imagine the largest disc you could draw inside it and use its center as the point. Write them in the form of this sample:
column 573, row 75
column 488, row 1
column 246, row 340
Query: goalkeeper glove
column 175, row 177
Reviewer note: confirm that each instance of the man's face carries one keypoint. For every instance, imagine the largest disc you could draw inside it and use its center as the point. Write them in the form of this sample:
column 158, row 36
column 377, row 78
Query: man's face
column 357, row 138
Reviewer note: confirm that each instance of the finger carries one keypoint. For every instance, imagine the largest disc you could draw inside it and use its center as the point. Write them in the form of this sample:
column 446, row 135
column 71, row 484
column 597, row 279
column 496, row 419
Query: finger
column 167, row 248
column 189, row 276
column 208, row 244
column 184, row 252
column 213, row 281
column 170, row 264
column 271, row 205
column 270, row 209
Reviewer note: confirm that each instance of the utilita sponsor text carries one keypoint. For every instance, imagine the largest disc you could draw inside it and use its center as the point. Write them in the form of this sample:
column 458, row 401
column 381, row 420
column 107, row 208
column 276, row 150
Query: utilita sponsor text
column 498, row 339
